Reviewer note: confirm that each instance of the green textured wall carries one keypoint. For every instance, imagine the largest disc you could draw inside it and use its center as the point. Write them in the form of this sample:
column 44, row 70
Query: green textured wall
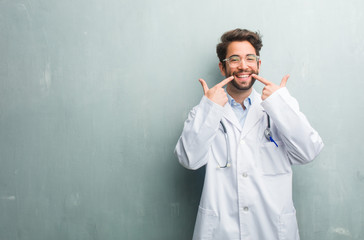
column 93, row 96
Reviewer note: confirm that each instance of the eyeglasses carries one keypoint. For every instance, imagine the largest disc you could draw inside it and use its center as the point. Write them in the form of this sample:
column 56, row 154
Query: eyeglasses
column 235, row 61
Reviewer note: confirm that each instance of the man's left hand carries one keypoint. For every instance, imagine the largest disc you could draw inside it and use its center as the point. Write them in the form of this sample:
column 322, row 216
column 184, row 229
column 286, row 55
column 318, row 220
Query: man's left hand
column 270, row 87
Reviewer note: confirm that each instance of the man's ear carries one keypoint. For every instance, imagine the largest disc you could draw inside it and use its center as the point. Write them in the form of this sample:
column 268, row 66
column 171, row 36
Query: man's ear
column 222, row 69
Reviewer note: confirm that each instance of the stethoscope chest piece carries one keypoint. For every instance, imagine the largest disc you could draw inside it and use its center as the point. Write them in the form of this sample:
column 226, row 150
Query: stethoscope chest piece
column 268, row 133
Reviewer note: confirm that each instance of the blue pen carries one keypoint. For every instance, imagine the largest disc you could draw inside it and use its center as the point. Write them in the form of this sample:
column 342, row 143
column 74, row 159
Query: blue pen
column 272, row 140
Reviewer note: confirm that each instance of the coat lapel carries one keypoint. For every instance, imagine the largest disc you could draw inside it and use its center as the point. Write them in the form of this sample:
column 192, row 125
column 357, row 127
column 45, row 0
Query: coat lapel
column 256, row 112
column 231, row 117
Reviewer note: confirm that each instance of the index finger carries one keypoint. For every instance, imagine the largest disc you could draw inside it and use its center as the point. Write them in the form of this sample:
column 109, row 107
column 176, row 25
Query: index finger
column 284, row 81
column 204, row 85
column 260, row 79
column 224, row 82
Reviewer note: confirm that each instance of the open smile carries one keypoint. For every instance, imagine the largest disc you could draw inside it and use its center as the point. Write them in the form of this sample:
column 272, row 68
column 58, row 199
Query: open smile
column 243, row 76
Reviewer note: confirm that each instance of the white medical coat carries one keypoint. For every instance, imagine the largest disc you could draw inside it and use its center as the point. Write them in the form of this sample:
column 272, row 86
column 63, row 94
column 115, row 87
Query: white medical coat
column 251, row 199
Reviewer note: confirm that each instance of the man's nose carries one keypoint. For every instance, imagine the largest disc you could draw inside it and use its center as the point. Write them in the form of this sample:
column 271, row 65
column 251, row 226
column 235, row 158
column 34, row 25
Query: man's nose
column 242, row 64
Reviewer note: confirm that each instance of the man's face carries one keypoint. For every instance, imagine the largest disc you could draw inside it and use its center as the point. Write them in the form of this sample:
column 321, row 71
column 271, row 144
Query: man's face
column 242, row 73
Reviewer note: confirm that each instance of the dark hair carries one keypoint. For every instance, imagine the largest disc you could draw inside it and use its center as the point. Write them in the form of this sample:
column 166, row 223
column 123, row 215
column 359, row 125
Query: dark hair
column 239, row 35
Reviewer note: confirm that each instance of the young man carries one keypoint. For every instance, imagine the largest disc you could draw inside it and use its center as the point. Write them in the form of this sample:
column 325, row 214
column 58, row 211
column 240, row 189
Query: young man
column 247, row 142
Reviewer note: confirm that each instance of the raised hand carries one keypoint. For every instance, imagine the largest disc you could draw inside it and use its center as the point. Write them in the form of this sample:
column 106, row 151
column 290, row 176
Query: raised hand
column 270, row 87
column 216, row 94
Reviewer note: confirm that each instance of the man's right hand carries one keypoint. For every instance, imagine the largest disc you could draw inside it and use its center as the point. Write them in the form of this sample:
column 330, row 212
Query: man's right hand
column 216, row 94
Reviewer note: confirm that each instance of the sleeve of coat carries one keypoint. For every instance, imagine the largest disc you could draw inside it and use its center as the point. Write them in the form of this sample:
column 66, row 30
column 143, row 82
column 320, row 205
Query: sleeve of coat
column 198, row 133
column 302, row 141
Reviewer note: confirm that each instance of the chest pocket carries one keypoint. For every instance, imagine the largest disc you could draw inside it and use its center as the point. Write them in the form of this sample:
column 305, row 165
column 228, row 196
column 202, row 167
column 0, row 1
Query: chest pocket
column 273, row 160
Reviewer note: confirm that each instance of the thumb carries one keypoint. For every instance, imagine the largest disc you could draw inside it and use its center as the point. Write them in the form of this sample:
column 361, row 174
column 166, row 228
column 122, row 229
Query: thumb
column 284, row 81
column 204, row 85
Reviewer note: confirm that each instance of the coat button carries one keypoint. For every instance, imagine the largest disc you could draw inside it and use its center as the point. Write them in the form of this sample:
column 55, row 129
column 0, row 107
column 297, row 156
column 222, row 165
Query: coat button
column 245, row 174
column 246, row 209
column 242, row 141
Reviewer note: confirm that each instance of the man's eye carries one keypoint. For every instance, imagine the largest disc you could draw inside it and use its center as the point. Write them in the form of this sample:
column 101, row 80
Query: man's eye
column 250, row 58
column 234, row 59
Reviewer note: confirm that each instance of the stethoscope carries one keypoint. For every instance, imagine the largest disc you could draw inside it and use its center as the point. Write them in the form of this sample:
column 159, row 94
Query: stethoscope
column 267, row 133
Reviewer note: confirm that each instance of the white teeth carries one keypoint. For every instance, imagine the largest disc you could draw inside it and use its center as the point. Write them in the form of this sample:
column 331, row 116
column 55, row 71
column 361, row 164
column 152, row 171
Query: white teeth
column 243, row 76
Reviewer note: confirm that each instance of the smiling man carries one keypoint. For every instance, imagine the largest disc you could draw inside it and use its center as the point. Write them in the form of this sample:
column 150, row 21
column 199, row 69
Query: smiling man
column 247, row 141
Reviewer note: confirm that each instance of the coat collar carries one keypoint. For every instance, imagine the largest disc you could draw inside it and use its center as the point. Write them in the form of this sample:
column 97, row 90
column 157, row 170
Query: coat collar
column 255, row 113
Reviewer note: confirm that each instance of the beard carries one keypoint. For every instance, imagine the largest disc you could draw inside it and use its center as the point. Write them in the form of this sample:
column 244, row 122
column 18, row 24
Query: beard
column 246, row 85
